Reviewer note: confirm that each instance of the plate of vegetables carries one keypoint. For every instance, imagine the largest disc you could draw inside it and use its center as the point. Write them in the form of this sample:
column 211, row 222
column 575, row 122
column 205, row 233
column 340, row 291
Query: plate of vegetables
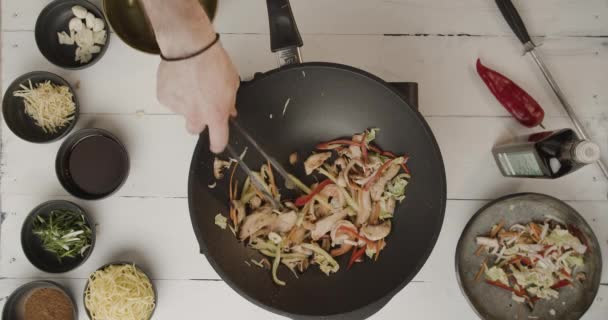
column 528, row 256
column 57, row 236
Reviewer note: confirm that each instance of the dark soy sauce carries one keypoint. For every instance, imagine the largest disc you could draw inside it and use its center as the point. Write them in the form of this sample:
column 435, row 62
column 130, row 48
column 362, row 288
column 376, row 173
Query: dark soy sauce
column 98, row 165
column 548, row 155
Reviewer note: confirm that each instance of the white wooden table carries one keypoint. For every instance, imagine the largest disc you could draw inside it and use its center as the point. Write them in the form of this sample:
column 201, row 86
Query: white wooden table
column 434, row 43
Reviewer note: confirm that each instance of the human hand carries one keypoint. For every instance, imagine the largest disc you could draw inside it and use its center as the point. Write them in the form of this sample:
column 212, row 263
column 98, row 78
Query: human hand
column 203, row 90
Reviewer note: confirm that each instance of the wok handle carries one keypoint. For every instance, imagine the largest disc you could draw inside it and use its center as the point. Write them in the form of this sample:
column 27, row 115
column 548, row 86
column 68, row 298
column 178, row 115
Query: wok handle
column 285, row 38
column 509, row 12
column 409, row 91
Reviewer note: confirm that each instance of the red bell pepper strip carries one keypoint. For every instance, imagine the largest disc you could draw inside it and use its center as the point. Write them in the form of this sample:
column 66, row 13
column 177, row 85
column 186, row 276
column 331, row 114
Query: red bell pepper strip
column 524, row 260
column 561, row 284
column 499, row 284
column 378, row 174
column 301, row 201
column 513, row 98
column 355, row 256
column 363, row 147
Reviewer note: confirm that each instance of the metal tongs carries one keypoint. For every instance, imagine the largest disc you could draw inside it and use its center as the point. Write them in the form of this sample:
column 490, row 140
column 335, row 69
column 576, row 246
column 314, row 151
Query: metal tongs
column 255, row 180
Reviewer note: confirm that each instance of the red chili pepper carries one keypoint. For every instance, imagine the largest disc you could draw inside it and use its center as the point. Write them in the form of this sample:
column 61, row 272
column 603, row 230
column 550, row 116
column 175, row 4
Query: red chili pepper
column 561, row 284
column 519, row 103
column 301, row 201
column 356, row 255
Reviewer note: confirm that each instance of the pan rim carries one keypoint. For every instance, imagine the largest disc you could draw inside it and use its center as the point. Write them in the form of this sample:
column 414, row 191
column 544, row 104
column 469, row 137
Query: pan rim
column 508, row 197
column 376, row 305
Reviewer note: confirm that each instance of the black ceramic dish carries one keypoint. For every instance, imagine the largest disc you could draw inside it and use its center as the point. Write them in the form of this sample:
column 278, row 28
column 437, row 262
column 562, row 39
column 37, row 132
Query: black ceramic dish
column 22, row 125
column 32, row 246
column 92, row 164
column 55, row 18
column 13, row 308
column 120, row 263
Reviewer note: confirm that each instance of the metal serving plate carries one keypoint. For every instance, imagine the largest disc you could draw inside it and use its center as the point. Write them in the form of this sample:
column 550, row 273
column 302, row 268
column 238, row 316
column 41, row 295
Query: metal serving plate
column 494, row 303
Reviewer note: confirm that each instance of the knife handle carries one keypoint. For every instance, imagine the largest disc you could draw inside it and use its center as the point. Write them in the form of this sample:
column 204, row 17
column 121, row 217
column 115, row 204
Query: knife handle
column 514, row 20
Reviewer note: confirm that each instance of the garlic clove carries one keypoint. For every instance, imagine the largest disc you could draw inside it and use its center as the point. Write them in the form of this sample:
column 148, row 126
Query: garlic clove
column 79, row 11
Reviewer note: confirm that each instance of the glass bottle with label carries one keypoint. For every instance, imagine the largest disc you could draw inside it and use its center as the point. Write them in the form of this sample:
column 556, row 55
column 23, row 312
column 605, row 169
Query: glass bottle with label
column 549, row 155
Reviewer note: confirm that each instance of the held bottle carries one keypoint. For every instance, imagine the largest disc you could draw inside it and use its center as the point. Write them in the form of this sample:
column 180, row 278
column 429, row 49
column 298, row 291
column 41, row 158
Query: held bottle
column 548, row 155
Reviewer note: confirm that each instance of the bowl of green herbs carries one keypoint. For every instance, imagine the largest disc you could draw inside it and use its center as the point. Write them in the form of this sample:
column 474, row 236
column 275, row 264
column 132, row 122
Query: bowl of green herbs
column 57, row 236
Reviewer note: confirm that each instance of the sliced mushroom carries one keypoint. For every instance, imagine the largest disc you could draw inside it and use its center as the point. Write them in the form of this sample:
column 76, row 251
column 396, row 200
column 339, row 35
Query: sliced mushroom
column 218, row 168
column 255, row 202
column 365, row 207
column 324, row 225
column 240, row 211
column 377, row 232
column 293, row 158
column 315, row 161
column 256, row 221
column 355, row 152
column 338, row 238
column 308, row 225
column 378, row 188
column 298, row 235
column 285, row 222
column 336, row 197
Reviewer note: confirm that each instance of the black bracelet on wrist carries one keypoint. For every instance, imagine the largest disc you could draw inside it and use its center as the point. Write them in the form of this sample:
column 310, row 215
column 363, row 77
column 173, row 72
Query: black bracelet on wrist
column 217, row 38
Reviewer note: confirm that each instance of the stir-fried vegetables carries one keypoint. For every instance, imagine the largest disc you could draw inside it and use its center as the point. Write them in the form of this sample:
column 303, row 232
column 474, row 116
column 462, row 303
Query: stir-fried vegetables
column 348, row 210
column 534, row 260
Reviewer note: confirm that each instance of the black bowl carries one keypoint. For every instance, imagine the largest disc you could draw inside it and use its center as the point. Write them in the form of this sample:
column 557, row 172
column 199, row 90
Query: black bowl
column 120, row 263
column 55, row 18
column 95, row 173
column 32, row 245
column 22, row 125
column 16, row 301
column 130, row 23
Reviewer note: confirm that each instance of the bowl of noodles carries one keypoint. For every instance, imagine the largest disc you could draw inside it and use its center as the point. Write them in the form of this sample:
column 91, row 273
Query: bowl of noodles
column 119, row 290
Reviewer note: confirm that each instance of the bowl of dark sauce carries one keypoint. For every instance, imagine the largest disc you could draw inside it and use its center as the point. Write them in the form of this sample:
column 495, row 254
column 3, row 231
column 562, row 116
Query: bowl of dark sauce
column 92, row 164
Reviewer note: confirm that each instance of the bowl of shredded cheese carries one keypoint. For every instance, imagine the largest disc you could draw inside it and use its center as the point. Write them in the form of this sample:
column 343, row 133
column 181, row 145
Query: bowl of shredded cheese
column 40, row 107
column 119, row 290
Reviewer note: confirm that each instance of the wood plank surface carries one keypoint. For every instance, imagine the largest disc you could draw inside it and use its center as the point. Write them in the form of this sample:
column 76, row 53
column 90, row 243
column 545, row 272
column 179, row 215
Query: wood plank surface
column 548, row 17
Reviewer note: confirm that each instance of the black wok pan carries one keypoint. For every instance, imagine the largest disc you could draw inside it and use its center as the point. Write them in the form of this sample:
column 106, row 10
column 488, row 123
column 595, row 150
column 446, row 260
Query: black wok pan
column 326, row 101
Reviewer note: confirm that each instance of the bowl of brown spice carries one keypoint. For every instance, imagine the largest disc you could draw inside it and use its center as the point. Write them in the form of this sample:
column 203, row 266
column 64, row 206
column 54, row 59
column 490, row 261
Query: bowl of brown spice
column 40, row 300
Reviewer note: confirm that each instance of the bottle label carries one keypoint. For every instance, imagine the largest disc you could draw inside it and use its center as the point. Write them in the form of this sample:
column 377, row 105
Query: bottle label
column 519, row 164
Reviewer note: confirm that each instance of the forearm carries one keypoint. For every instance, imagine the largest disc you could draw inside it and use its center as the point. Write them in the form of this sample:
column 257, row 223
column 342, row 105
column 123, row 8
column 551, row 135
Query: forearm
column 181, row 26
